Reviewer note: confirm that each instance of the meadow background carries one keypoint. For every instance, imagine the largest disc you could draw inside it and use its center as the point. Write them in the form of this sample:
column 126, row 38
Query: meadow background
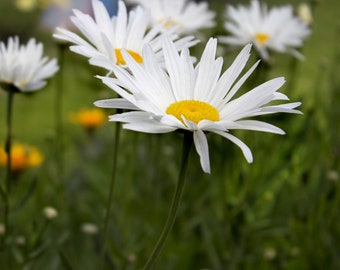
column 281, row 212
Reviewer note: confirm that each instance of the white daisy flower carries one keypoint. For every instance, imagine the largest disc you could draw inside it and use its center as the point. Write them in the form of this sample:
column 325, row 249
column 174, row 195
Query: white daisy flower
column 197, row 98
column 276, row 29
column 187, row 15
column 23, row 66
column 106, row 36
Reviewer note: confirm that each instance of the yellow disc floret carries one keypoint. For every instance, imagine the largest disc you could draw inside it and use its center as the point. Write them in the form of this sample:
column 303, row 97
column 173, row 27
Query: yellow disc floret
column 167, row 23
column 193, row 110
column 261, row 38
column 120, row 60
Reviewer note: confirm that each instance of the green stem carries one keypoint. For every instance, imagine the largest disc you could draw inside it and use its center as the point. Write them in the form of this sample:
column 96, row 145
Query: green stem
column 187, row 143
column 8, row 150
column 8, row 146
column 111, row 190
column 58, row 109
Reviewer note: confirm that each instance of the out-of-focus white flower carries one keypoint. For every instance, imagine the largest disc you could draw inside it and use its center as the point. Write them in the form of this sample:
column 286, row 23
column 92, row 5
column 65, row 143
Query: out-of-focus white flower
column 276, row 29
column 187, row 15
column 89, row 228
column 2, row 229
column 24, row 66
column 333, row 175
column 20, row 240
column 195, row 99
column 305, row 13
column 107, row 36
column 50, row 212
column 269, row 253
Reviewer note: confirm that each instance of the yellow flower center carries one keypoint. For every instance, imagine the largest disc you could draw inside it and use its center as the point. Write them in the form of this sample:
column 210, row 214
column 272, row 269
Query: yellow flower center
column 193, row 110
column 168, row 23
column 120, row 60
column 262, row 38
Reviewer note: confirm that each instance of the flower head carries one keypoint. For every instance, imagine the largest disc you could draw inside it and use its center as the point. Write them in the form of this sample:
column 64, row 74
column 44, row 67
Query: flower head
column 107, row 36
column 182, row 13
column 276, row 29
column 50, row 212
column 196, row 99
column 305, row 13
column 24, row 67
column 22, row 157
column 89, row 228
column 2, row 228
column 26, row 5
column 90, row 119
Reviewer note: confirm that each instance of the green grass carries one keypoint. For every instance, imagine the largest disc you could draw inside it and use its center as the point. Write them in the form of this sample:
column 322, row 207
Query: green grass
column 281, row 212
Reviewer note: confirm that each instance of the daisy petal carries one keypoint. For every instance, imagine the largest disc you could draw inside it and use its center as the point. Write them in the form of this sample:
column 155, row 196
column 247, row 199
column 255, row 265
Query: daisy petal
column 245, row 149
column 118, row 103
column 202, row 149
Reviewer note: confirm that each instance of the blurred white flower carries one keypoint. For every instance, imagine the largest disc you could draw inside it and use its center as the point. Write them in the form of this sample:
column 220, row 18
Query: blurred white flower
column 20, row 240
column 24, row 66
column 333, row 175
column 2, row 229
column 187, row 15
column 269, row 253
column 50, row 212
column 89, row 228
column 276, row 29
column 195, row 99
column 107, row 36
column 305, row 13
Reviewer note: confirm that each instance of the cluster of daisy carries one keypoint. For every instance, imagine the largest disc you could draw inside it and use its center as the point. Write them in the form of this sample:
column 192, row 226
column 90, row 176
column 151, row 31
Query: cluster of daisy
column 160, row 87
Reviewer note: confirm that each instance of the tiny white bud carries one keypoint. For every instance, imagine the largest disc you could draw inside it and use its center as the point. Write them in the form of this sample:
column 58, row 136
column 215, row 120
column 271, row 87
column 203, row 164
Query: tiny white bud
column 89, row 228
column 50, row 212
column 269, row 253
column 2, row 229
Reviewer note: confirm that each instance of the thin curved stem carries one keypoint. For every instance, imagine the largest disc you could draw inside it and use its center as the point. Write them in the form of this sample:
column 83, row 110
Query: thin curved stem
column 111, row 190
column 187, row 143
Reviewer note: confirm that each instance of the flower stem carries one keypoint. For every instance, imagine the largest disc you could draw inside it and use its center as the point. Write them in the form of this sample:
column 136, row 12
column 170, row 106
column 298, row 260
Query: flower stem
column 111, row 190
column 8, row 150
column 58, row 110
column 187, row 143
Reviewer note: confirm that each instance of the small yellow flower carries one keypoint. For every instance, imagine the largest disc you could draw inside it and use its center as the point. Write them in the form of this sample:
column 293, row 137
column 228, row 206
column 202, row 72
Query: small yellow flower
column 22, row 157
column 26, row 5
column 90, row 118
